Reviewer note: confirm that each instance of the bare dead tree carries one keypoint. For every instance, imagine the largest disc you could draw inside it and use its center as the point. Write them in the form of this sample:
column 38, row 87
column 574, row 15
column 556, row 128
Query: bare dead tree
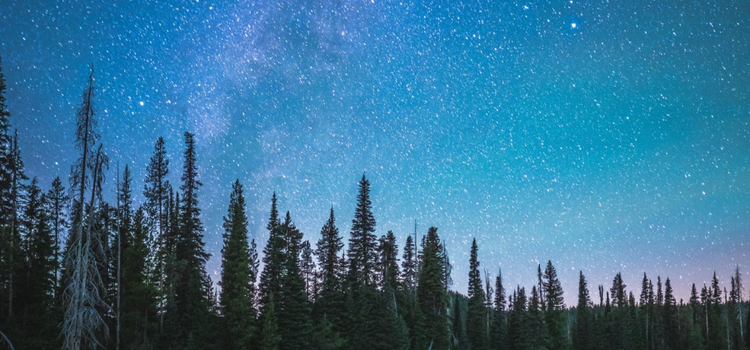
column 84, row 292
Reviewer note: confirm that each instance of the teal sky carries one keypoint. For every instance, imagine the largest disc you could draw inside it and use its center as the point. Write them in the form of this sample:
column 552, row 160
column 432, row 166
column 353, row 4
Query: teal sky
column 605, row 136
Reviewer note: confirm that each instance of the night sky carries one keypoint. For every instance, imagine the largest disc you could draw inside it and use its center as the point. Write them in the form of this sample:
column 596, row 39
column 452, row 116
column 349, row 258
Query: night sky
column 604, row 135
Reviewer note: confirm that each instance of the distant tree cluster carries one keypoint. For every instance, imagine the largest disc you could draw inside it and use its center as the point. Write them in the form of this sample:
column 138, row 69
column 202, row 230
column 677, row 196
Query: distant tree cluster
column 77, row 272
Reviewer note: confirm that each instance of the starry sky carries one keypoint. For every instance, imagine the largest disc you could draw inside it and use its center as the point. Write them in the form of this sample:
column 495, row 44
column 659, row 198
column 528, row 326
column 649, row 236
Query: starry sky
column 604, row 135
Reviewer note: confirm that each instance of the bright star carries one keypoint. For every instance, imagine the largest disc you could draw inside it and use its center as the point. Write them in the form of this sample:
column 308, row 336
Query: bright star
column 573, row 25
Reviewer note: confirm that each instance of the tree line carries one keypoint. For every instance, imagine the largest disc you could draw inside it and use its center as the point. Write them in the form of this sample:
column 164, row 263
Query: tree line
column 77, row 272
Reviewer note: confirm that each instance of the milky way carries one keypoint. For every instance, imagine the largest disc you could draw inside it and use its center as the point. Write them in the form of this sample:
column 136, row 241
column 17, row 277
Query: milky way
column 605, row 136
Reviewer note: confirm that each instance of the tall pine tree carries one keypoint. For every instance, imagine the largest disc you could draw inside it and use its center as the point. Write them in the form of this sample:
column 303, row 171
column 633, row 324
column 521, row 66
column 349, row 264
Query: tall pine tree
column 57, row 200
column 295, row 324
column 582, row 337
column 156, row 190
column 554, row 308
column 362, row 244
column 192, row 284
column 36, row 303
column 237, row 277
column 330, row 302
column 499, row 330
column 431, row 294
column 475, row 317
column 139, row 323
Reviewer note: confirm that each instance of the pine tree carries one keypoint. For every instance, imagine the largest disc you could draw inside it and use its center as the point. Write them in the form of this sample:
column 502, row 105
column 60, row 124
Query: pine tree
column 715, row 331
column 237, row 278
column 460, row 339
column 387, row 264
column 520, row 333
column 475, row 317
column 582, row 339
column 409, row 265
column 273, row 257
column 431, row 294
column 37, row 304
column 499, row 330
column 554, row 306
column 646, row 303
column 6, row 166
column 192, row 284
column 669, row 314
column 139, row 292
column 56, row 203
column 331, row 299
column 9, row 238
column 362, row 244
column 295, row 325
column 84, row 294
column 618, row 292
column 168, row 319
column 536, row 321
column 123, row 237
column 10, row 246
column 157, row 190
column 327, row 251
column 735, row 311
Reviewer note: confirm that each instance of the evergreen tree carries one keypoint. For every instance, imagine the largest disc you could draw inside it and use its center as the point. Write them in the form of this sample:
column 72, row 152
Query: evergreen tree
column 735, row 313
column 237, row 277
column 273, row 257
column 6, row 158
column 330, row 301
column 475, row 317
column 520, row 333
column 582, row 337
column 499, row 330
column 646, row 303
column 458, row 314
column 157, row 190
column 191, row 285
column 387, row 264
column 431, row 294
column 139, row 292
column 56, row 203
column 362, row 244
column 36, row 302
column 84, row 295
column 536, row 321
column 9, row 238
column 409, row 265
column 168, row 322
column 554, row 306
column 122, row 238
column 619, row 295
column 295, row 325
column 10, row 246
column 669, row 314
column 715, row 327
column 328, row 248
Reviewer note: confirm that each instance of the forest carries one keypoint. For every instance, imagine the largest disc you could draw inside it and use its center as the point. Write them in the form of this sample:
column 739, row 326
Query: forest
column 77, row 272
